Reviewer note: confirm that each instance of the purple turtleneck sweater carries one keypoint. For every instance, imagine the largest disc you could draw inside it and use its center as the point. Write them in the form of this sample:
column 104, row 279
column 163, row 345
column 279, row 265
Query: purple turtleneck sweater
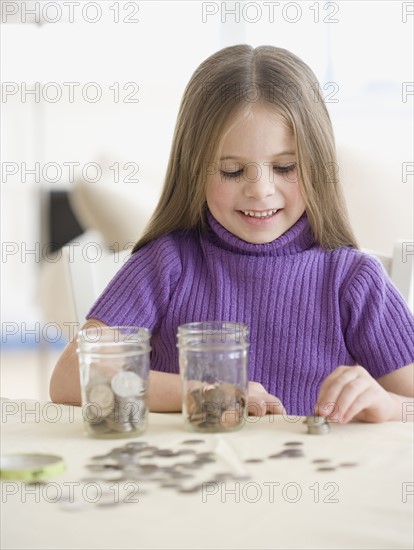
column 309, row 310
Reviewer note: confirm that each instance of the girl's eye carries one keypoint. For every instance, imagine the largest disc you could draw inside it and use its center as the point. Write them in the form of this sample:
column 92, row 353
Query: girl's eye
column 231, row 174
column 285, row 169
column 278, row 169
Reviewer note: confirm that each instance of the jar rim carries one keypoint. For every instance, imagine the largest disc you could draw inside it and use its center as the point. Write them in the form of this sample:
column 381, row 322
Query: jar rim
column 213, row 325
column 214, row 334
column 113, row 335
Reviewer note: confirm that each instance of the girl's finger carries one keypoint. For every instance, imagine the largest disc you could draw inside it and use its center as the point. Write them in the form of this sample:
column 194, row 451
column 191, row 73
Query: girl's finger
column 256, row 407
column 275, row 406
column 340, row 372
column 327, row 403
column 349, row 397
column 363, row 401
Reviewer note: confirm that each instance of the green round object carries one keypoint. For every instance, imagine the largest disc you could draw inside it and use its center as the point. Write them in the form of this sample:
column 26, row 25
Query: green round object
column 30, row 467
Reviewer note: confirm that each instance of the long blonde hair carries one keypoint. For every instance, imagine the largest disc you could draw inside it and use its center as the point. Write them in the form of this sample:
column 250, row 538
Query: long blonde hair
column 221, row 87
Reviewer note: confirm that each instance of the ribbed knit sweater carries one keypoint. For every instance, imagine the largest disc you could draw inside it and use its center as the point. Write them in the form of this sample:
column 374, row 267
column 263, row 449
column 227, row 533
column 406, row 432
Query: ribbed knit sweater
column 308, row 310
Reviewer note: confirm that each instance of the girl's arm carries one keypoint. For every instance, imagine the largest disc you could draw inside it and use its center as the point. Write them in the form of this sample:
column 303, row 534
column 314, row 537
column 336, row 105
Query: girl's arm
column 164, row 388
column 400, row 381
column 350, row 393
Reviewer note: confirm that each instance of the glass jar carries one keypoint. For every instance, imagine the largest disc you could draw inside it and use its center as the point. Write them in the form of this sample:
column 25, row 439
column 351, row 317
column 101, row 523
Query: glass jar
column 114, row 367
column 213, row 358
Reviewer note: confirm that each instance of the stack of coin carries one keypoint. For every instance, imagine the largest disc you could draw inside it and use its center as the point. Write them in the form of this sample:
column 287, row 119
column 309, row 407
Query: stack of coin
column 215, row 407
column 317, row 425
column 118, row 405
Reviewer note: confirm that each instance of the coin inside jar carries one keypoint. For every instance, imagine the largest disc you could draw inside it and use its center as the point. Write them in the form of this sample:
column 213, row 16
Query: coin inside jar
column 108, row 412
column 114, row 364
column 127, row 384
column 215, row 407
column 103, row 397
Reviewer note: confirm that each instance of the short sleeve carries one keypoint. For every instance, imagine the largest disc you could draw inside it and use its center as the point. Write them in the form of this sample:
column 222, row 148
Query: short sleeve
column 377, row 324
column 140, row 292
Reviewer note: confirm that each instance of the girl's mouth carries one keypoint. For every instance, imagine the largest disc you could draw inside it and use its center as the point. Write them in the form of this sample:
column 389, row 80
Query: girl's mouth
column 259, row 214
column 259, row 217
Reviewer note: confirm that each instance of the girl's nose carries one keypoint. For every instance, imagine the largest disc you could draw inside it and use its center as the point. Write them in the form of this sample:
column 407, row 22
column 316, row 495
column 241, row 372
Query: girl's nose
column 259, row 182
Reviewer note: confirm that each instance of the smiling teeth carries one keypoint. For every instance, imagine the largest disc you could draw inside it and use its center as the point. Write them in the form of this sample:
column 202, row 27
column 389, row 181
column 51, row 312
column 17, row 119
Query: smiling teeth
column 252, row 214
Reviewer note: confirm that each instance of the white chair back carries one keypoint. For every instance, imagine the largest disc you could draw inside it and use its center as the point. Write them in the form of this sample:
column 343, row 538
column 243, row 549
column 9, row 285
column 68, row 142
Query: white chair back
column 90, row 268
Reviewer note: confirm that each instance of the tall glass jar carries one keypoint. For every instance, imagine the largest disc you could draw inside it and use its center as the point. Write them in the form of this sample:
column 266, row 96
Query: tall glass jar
column 213, row 357
column 114, row 366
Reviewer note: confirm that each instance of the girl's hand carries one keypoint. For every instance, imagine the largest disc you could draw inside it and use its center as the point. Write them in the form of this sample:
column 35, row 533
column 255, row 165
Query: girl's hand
column 259, row 402
column 350, row 393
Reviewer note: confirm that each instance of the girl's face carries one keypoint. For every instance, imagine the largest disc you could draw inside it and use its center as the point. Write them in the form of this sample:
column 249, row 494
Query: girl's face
column 255, row 193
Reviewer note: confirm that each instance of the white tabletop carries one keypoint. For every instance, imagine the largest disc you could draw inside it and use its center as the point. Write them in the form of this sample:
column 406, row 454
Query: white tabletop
column 286, row 503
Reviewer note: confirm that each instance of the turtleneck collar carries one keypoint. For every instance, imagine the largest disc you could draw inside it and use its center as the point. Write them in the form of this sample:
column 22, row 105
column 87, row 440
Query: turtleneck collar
column 297, row 238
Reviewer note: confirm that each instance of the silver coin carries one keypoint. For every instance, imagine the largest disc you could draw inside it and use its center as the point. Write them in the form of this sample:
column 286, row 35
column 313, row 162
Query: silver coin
column 186, row 452
column 149, row 468
column 139, row 417
column 192, row 489
column 102, row 395
column 319, row 430
column 101, row 457
column 121, row 412
column 204, row 460
column 108, row 503
column 241, row 477
column 99, row 427
column 136, row 445
column 317, row 425
column 150, row 449
column 127, row 384
column 205, row 454
column 165, row 452
column 191, row 465
column 129, row 414
column 119, row 454
column 314, row 420
column 216, row 407
column 222, row 477
column 118, row 426
column 180, row 475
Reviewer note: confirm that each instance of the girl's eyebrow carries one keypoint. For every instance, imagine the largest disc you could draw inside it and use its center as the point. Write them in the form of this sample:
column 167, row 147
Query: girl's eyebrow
column 282, row 154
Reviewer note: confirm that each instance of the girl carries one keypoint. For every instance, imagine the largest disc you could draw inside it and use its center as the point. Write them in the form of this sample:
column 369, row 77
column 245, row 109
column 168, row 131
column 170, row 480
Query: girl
column 252, row 227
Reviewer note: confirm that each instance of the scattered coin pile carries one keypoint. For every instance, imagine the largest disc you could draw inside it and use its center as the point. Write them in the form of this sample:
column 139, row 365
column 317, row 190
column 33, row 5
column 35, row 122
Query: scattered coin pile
column 317, row 425
column 215, row 407
column 117, row 406
column 143, row 463
column 138, row 461
column 185, row 469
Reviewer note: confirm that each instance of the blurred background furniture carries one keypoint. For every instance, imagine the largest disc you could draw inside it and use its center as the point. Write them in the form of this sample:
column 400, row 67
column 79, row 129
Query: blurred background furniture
column 87, row 279
column 113, row 219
